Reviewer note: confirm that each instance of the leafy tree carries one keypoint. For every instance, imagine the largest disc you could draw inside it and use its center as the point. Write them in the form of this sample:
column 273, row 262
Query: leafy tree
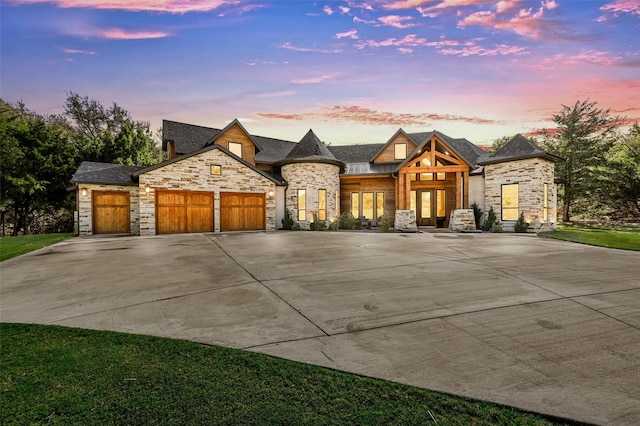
column 620, row 182
column 37, row 161
column 109, row 134
column 583, row 138
column 499, row 143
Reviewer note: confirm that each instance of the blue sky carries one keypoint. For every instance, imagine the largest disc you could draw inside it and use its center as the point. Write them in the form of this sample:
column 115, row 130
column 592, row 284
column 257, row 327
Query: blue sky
column 354, row 71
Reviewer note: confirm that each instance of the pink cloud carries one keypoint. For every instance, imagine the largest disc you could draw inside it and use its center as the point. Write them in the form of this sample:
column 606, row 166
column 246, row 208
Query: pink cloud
column 526, row 22
column 348, row 34
column 363, row 115
column 78, row 52
column 619, row 7
column 410, row 40
column 328, row 10
column 170, row 6
column 290, row 46
column 396, row 21
column 589, row 56
column 500, row 49
column 313, row 80
column 120, row 34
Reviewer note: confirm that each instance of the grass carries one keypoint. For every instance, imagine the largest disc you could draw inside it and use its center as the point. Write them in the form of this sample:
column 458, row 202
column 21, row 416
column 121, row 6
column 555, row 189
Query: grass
column 15, row 246
column 627, row 238
column 59, row 375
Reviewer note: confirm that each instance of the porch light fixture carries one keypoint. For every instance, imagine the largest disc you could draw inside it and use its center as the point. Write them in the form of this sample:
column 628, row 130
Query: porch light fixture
column 270, row 193
column 147, row 189
column 83, row 192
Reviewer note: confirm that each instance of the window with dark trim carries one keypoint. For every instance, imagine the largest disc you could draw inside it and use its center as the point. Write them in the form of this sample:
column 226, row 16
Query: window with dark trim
column 322, row 204
column 355, row 204
column 367, row 205
column 236, row 148
column 379, row 204
column 400, row 151
column 302, row 204
column 509, row 202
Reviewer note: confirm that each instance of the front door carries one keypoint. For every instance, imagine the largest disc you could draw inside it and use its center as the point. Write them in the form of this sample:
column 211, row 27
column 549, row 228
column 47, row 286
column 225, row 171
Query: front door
column 422, row 203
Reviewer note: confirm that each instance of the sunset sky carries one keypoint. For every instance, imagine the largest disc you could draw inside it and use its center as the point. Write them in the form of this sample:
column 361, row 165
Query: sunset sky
column 353, row 71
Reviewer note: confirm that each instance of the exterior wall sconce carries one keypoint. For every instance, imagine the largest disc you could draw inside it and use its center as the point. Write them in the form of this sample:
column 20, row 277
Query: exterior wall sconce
column 270, row 193
column 84, row 192
column 147, row 189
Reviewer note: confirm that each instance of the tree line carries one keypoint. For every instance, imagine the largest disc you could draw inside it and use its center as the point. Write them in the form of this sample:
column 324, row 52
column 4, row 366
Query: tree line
column 39, row 154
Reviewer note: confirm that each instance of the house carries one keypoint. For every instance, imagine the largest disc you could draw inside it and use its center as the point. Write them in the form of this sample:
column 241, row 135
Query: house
column 217, row 180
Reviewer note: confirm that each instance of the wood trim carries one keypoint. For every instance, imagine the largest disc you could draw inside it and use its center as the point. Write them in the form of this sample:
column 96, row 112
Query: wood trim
column 434, row 169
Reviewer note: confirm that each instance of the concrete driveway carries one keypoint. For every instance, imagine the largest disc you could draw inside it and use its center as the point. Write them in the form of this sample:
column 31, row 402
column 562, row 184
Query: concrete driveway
column 539, row 324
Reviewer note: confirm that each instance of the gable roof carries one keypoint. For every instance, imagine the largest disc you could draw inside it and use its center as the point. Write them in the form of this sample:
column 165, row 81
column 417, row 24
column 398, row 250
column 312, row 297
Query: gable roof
column 272, row 149
column 275, row 178
column 464, row 149
column 518, row 148
column 105, row 173
column 186, row 137
column 391, row 139
column 235, row 122
column 310, row 149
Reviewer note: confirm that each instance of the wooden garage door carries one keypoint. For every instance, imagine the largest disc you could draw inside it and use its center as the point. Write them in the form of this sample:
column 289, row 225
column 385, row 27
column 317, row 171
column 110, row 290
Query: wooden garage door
column 111, row 212
column 242, row 211
column 184, row 211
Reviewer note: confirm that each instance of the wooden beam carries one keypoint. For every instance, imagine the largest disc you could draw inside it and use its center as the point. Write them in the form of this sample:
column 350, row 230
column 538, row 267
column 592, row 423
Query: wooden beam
column 449, row 158
column 435, row 169
column 465, row 176
column 407, row 192
column 458, row 190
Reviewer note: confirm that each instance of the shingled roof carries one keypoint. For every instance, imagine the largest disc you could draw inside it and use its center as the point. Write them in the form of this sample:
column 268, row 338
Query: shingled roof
column 518, row 148
column 466, row 150
column 310, row 149
column 186, row 137
column 355, row 153
column 105, row 173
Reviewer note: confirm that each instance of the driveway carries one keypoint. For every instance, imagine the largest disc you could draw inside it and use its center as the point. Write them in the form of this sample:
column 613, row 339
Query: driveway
column 540, row 324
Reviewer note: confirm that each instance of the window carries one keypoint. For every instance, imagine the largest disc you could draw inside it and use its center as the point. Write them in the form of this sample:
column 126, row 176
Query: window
column 440, row 176
column 441, row 202
column 379, row 204
column 510, row 202
column 216, row 169
column 413, row 177
column 302, row 204
column 367, row 205
column 426, row 176
column 545, row 203
column 400, row 151
column 236, row 148
column 355, row 204
column 322, row 204
column 425, row 206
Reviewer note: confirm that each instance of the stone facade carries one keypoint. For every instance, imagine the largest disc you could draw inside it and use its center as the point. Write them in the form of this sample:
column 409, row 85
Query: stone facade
column 531, row 175
column 476, row 191
column 194, row 174
column 85, row 207
column 462, row 220
column 405, row 221
column 311, row 177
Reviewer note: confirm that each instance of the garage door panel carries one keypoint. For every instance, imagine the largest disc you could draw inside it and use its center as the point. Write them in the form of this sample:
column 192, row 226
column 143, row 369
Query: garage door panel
column 184, row 211
column 242, row 211
column 111, row 212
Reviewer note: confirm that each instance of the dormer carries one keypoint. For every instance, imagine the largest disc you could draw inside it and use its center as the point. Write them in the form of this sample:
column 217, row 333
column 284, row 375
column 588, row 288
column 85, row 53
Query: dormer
column 396, row 150
column 238, row 141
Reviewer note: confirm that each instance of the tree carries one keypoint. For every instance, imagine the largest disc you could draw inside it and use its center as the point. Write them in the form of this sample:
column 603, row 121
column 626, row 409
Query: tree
column 110, row 135
column 620, row 187
column 583, row 138
column 37, row 161
column 499, row 143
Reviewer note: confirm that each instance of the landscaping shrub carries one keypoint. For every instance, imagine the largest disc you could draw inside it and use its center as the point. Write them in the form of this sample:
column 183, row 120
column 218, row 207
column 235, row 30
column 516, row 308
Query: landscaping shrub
column 318, row 225
column 496, row 228
column 335, row 225
column 287, row 221
column 347, row 221
column 491, row 220
column 296, row 226
column 477, row 214
column 521, row 225
column 385, row 223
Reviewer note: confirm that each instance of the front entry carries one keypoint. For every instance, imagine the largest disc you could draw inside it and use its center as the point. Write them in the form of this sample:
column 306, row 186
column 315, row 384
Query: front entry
column 429, row 205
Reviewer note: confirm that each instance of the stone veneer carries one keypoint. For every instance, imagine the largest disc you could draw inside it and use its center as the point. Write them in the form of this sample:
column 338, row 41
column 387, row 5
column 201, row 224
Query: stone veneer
column 194, row 174
column 405, row 221
column 462, row 220
column 311, row 177
column 85, row 209
column 530, row 175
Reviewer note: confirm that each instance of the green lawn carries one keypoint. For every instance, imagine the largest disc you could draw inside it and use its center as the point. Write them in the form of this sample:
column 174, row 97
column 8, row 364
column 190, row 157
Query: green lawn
column 15, row 246
column 627, row 238
column 58, row 375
